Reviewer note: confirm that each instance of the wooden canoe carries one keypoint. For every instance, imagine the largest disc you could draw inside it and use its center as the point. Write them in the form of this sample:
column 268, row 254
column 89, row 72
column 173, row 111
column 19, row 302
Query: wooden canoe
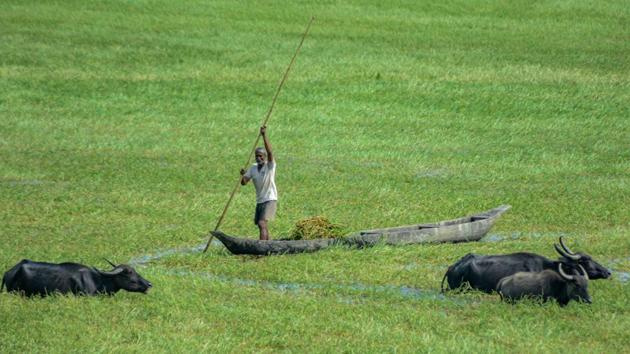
column 238, row 245
column 465, row 229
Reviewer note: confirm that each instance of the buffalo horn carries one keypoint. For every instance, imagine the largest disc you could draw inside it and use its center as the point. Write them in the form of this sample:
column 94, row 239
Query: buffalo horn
column 113, row 272
column 108, row 261
column 565, row 247
column 563, row 274
column 574, row 257
column 583, row 271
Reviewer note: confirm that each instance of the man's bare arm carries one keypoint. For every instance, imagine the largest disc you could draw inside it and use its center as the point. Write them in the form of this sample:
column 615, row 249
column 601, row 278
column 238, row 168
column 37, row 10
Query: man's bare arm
column 244, row 179
column 263, row 132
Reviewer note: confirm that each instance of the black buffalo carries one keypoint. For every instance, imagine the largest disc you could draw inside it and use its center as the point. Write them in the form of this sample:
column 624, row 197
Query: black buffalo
column 547, row 284
column 484, row 272
column 39, row 278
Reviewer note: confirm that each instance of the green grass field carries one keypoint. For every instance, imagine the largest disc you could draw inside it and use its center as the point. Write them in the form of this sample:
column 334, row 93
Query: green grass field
column 123, row 125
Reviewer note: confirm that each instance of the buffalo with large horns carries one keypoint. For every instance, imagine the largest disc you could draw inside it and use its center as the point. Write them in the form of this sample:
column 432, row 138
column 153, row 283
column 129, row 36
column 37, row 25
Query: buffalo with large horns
column 484, row 272
column 546, row 285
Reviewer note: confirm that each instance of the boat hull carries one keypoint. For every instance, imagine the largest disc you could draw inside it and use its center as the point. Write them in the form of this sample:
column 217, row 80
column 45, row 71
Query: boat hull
column 466, row 229
column 471, row 228
column 238, row 245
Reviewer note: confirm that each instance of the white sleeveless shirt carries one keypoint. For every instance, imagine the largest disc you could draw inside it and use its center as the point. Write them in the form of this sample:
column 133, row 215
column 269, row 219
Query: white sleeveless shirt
column 264, row 181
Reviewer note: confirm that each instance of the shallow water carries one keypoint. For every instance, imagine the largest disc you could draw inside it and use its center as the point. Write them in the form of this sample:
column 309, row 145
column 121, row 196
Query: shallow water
column 403, row 291
column 623, row 277
column 144, row 259
column 620, row 275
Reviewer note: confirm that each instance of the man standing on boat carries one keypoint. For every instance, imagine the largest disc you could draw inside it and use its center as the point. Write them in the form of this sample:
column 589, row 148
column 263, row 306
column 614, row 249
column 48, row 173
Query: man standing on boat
column 263, row 173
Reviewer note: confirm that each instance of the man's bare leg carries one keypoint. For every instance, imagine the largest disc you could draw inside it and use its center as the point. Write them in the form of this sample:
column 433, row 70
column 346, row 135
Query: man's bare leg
column 264, row 232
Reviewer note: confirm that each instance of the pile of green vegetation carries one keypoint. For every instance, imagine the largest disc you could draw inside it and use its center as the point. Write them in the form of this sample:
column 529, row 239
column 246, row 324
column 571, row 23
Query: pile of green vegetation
column 315, row 227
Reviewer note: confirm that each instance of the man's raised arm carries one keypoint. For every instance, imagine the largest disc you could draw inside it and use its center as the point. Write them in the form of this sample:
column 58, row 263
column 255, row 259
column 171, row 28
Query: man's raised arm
column 263, row 132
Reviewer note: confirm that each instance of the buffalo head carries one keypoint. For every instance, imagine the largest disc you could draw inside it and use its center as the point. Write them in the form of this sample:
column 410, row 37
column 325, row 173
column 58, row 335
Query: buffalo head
column 592, row 268
column 125, row 277
column 577, row 284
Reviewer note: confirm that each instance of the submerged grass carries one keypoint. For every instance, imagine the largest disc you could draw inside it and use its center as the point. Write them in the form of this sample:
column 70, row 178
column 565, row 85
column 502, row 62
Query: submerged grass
column 124, row 125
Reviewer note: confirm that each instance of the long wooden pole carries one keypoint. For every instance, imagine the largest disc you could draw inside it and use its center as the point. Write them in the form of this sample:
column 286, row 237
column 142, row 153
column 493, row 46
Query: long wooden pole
column 249, row 157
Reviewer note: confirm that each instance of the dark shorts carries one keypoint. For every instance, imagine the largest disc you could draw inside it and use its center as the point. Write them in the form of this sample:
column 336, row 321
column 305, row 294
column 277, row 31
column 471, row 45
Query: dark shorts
column 265, row 211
